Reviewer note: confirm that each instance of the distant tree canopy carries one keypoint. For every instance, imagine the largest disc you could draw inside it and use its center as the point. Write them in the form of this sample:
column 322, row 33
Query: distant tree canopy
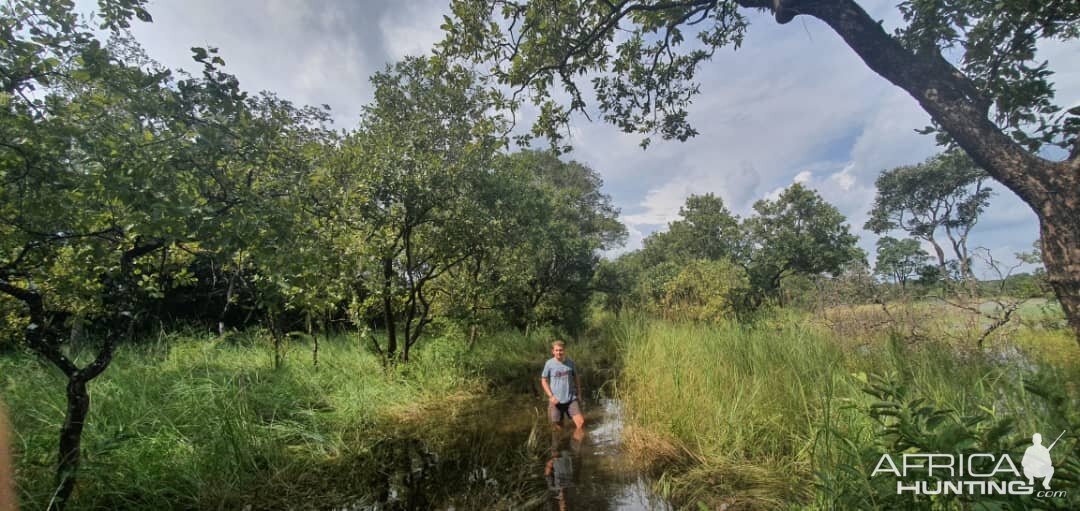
column 706, row 230
column 946, row 193
column 797, row 233
column 899, row 260
column 993, row 98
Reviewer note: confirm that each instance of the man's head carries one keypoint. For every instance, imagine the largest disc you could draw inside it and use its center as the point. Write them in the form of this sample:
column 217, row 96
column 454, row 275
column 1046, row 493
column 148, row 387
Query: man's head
column 1036, row 439
column 558, row 349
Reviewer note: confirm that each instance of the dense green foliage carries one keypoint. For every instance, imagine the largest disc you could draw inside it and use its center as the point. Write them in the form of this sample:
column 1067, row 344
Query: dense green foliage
column 898, row 260
column 134, row 197
column 709, row 264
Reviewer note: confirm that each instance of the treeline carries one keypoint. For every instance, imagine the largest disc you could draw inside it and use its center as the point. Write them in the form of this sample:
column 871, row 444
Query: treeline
column 795, row 248
column 711, row 264
column 133, row 196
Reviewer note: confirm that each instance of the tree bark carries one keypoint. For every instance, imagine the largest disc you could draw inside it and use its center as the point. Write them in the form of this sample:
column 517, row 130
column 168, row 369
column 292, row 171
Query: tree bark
column 271, row 323
column 78, row 405
column 314, row 342
column 940, row 254
column 1060, row 226
column 388, row 308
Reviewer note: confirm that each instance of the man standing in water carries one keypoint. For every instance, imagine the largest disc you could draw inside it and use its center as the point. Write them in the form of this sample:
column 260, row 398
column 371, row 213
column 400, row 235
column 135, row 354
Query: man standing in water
column 562, row 384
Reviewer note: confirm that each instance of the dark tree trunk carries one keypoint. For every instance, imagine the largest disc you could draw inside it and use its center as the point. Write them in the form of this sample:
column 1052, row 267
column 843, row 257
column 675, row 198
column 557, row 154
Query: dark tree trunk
column 388, row 308
column 78, row 405
column 1060, row 227
column 276, row 335
column 314, row 343
column 41, row 338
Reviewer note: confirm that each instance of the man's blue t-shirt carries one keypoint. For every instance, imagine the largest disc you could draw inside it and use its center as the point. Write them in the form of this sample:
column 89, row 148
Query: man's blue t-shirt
column 560, row 377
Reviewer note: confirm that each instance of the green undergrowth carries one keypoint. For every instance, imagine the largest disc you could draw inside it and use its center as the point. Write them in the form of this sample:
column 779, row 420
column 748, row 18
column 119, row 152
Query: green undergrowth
column 776, row 414
column 190, row 421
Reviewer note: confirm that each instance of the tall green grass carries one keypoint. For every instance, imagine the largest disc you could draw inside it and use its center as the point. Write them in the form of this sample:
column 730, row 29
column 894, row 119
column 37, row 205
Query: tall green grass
column 754, row 408
column 190, row 421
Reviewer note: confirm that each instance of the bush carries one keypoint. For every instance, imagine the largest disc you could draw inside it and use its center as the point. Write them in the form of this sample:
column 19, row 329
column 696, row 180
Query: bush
column 705, row 290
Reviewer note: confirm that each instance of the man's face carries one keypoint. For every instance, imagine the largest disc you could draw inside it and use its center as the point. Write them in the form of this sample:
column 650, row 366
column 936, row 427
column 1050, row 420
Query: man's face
column 559, row 352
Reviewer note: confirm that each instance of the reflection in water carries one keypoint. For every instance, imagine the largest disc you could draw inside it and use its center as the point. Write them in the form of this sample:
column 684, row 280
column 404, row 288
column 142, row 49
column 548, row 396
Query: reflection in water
column 517, row 462
column 559, row 470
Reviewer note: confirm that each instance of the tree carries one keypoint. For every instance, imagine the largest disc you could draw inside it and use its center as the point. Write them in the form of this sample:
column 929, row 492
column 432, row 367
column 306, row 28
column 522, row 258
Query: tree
column 706, row 230
column 112, row 173
column 994, row 100
column 412, row 171
column 945, row 192
column 705, row 290
column 86, row 194
column 798, row 232
column 899, row 259
column 556, row 261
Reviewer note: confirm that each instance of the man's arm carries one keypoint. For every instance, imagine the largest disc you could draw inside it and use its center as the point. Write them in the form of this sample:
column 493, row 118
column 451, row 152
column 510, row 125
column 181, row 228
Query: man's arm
column 547, row 390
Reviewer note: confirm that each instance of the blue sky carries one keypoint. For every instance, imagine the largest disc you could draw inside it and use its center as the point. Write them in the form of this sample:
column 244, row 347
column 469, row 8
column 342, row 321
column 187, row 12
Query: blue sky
column 794, row 103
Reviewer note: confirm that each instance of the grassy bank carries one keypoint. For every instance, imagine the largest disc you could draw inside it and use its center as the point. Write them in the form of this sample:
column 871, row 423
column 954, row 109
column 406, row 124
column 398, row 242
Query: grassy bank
column 777, row 413
column 190, row 421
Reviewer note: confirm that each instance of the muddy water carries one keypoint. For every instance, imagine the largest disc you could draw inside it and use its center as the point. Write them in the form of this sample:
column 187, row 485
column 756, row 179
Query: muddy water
column 500, row 453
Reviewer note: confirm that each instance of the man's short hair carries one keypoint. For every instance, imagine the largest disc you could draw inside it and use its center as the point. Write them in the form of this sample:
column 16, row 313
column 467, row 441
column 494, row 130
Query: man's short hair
column 558, row 342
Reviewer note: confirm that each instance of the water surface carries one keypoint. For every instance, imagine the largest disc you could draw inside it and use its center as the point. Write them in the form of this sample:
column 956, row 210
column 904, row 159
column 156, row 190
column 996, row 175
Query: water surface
column 500, row 453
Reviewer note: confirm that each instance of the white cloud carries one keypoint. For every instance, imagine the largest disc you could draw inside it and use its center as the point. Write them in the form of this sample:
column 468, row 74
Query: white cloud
column 412, row 31
column 661, row 205
column 844, row 179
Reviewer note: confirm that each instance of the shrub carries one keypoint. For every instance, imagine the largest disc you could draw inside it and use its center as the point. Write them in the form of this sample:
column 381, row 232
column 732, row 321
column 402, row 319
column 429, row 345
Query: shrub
column 705, row 290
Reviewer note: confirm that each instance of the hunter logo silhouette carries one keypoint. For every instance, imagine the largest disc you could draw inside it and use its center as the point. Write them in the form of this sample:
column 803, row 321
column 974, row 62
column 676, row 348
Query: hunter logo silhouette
column 1036, row 462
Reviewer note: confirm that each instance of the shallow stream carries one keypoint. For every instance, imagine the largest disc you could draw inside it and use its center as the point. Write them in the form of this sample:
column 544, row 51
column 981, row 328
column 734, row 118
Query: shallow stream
column 500, row 453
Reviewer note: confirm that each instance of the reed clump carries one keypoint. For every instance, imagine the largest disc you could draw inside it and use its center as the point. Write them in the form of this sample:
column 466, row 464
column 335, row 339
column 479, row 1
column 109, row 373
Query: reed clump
column 757, row 407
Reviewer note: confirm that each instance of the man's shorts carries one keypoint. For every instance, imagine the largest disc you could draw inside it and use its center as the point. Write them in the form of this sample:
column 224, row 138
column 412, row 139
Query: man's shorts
column 556, row 412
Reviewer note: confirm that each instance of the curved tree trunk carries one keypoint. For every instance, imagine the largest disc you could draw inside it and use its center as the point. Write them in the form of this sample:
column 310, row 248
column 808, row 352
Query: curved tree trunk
column 1060, row 225
column 940, row 257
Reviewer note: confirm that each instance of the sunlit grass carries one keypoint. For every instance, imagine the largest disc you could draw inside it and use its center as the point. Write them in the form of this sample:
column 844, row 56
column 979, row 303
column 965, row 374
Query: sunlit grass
column 196, row 422
column 747, row 404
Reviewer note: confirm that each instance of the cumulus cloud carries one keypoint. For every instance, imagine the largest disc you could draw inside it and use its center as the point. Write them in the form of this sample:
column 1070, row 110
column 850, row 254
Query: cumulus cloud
column 311, row 54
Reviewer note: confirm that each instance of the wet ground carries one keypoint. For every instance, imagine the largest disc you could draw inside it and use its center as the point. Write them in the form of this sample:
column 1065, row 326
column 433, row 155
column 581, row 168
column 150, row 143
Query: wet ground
column 500, row 453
